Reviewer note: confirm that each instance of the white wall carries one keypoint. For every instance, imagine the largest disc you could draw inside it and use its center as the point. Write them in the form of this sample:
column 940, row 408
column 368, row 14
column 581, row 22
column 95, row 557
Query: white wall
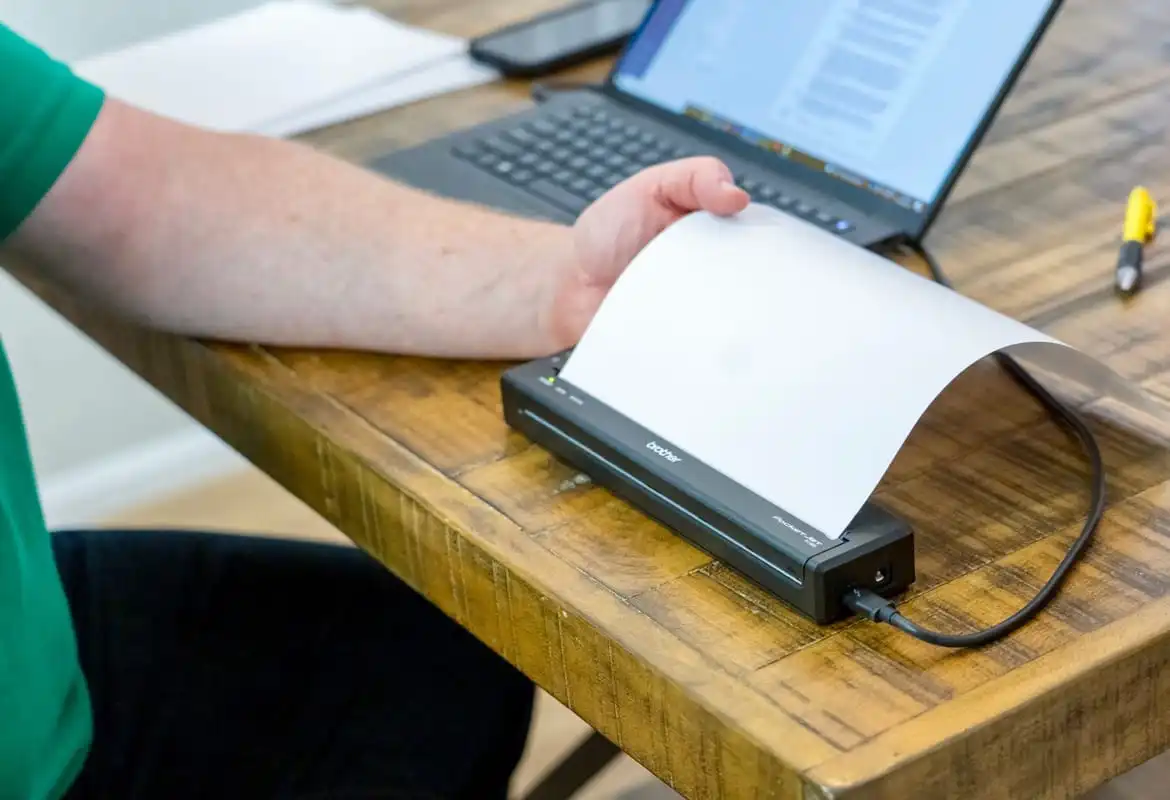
column 72, row 29
column 100, row 436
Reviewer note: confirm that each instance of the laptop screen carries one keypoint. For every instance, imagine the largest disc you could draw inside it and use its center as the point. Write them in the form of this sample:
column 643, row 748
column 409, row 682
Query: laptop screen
column 885, row 94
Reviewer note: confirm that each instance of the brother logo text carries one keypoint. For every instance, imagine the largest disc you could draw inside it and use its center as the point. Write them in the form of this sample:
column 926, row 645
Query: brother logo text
column 662, row 451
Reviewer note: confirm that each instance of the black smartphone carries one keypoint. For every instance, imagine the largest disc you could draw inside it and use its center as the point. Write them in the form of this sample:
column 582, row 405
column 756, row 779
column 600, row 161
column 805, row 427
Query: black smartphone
column 560, row 39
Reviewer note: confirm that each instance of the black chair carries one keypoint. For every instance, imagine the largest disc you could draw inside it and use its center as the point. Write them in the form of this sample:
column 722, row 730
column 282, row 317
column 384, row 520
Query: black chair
column 578, row 768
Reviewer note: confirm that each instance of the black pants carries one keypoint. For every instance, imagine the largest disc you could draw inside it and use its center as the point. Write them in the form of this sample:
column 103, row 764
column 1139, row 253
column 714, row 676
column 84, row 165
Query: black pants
column 224, row 667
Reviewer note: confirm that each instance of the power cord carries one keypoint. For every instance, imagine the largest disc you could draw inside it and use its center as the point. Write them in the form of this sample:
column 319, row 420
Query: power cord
column 869, row 604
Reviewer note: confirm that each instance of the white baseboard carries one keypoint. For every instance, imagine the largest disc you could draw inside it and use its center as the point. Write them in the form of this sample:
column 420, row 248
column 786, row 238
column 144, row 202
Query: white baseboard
column 87, row 494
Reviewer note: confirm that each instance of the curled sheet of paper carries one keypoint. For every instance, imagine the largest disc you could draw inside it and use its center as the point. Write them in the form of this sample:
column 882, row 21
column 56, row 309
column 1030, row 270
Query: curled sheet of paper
column 791, row 361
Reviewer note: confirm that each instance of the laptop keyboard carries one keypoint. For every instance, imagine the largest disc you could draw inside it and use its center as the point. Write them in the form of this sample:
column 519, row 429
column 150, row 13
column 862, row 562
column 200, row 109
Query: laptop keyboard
column 573, row 157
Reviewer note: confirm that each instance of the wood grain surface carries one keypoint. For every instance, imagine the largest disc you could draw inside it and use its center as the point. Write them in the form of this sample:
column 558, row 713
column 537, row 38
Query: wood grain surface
column 707, row 681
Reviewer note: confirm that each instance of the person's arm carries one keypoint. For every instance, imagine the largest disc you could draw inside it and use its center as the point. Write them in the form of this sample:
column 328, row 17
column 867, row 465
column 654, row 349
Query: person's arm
column 245, row 238
column 253, row 239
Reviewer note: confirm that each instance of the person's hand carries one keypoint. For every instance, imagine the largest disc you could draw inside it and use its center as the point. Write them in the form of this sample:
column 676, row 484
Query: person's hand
column 614, row 229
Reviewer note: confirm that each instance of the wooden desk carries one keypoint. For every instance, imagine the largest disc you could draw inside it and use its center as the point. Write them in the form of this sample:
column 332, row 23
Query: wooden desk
column 708, row 682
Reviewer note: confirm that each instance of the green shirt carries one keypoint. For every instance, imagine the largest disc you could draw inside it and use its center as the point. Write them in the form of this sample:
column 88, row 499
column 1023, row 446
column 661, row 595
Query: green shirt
column 45, row 722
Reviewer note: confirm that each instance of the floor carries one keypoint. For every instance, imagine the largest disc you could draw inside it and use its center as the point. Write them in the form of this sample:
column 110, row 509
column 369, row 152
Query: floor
column 252, row 503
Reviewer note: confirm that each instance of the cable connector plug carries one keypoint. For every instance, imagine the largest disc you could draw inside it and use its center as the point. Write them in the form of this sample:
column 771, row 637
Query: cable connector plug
column 869, row 604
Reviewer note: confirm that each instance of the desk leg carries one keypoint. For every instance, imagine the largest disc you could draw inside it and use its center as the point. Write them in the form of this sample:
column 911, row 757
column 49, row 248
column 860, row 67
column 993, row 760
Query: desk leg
column 581, row 765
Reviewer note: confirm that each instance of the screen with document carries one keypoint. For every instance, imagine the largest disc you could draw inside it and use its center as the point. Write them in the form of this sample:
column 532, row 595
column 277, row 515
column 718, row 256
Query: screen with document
column 884, row 94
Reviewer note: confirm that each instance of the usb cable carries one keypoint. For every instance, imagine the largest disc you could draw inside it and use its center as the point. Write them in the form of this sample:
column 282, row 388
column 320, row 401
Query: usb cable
column 869, row 604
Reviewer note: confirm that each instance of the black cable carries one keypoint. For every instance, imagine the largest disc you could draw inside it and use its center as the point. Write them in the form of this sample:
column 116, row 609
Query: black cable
column 869, row 604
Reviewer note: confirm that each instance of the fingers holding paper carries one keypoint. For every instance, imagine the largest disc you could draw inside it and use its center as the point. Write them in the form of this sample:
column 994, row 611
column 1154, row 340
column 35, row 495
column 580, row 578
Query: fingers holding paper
column 615, row 228
column 612, row 231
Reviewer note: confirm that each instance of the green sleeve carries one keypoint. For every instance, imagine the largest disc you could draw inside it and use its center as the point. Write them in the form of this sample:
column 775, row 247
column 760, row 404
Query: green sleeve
column 46, row 112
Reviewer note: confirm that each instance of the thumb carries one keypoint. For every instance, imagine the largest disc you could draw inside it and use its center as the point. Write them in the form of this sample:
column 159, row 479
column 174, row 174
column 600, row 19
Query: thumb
column 615, row 229
column 694, row 184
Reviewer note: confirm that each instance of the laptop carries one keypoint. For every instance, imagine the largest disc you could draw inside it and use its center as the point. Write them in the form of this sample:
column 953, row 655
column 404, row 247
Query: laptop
column 856, row 115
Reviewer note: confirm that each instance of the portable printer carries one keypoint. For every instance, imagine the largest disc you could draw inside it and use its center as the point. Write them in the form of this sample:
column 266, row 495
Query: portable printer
column 786, row 557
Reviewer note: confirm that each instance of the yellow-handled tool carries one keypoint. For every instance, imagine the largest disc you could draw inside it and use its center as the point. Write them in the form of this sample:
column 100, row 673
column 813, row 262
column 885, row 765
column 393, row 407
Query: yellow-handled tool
column 1141, row 222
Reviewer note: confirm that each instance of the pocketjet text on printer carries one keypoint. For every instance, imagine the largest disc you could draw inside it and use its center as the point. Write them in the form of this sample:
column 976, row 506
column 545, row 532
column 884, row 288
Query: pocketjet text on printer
column 858, row 116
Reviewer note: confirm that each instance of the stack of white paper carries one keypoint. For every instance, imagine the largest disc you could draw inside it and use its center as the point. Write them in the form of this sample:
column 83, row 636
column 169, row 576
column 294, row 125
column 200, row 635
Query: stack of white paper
column 285, row 67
